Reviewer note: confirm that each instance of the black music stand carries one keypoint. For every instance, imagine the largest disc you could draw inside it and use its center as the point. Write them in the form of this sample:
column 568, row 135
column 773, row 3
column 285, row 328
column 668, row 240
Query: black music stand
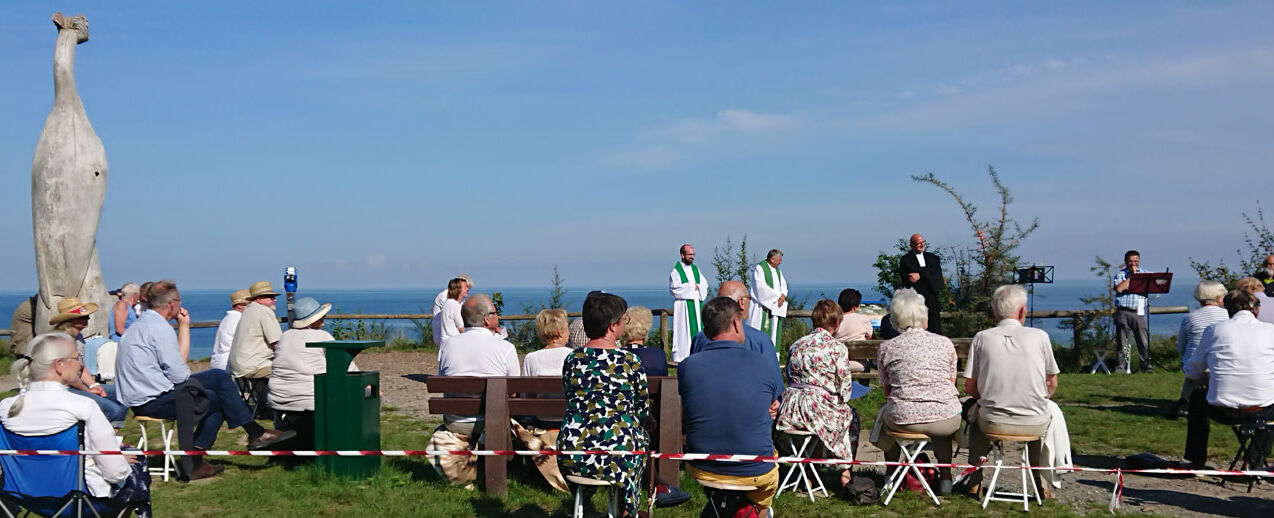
column 1031, row 276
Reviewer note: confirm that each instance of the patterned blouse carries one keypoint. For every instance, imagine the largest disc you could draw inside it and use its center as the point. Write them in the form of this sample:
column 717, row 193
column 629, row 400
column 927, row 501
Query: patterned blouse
column 918, row 366
column 817, row 399
column 606, row 403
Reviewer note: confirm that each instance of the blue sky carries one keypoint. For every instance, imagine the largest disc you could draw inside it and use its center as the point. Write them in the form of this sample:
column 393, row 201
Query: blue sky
column 397, row 145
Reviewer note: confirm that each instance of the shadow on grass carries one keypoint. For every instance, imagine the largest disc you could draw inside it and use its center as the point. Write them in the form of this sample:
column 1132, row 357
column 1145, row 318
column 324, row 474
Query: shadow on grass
column 1240, row 505
column 1138, row 406
column 419, row 470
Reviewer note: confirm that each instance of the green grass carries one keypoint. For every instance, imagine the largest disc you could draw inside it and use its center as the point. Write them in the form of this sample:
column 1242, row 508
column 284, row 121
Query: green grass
column 1109, row 417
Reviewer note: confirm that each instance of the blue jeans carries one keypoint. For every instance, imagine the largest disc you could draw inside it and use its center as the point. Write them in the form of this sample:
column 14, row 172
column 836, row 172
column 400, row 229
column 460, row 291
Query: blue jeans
column 114, row 410
column 224, row 405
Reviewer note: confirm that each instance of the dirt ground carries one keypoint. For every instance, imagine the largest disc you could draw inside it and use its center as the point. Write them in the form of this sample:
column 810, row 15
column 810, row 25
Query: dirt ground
column 402, row 376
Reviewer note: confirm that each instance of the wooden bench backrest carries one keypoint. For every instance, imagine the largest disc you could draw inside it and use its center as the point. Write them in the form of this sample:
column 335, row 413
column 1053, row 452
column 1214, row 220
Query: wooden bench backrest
column 489, row 397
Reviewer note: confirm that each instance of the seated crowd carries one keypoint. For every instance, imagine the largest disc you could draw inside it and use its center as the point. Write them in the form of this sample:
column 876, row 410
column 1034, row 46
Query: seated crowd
column 735, row 397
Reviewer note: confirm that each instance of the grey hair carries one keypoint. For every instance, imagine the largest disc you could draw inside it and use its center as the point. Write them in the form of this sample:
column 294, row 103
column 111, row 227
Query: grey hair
column 1208, row 291
column 129, row 288
column 36, row 365
column 1006, row 300
column 475, row 309
column 907, row 310
column 772, row 253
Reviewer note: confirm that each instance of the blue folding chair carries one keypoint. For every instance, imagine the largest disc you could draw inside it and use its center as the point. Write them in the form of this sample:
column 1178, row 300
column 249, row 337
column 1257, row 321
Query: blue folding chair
column 47, row 485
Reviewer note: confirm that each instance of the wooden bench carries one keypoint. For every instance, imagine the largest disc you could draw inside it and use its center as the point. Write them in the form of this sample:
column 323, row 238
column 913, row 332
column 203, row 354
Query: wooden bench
column 489, row 397
column 860, row 350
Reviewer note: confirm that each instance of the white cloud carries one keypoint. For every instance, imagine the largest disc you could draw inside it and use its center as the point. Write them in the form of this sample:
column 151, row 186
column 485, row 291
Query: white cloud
column 726, row 122
column 1029, row 94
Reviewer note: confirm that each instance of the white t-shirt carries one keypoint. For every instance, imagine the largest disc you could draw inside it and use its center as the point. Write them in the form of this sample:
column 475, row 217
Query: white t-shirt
column 476, row 352
column 546, row 362
column 225, row 337
column 447, row 323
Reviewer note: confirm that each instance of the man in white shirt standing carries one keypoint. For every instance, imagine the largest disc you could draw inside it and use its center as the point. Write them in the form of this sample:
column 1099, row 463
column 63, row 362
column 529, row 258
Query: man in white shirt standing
column 689, row 289
column 1235, row 358
column 225, row 330
column 768, row 288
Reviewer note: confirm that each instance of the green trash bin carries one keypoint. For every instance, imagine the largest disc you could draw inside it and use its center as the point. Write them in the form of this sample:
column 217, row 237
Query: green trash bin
column 346, row 410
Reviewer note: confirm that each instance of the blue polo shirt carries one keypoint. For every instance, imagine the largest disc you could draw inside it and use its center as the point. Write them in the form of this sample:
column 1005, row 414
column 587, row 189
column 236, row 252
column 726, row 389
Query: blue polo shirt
column 726, row 391
column 753, row 340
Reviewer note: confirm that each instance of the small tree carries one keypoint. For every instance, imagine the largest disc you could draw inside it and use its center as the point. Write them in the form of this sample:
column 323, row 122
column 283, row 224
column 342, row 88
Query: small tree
column 732, row 263
column 1259, row 244
column 979, row 269
column 522, row 333
column 1091, row 327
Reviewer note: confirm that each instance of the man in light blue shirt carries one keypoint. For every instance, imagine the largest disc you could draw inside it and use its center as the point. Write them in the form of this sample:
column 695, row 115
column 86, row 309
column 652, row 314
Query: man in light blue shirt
column 153, row 379
column 1130, row 316
column 753, row 339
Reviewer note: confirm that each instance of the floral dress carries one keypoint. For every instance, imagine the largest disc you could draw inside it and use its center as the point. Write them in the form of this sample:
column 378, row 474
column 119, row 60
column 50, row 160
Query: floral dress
column 606, row 403
column 817, row 395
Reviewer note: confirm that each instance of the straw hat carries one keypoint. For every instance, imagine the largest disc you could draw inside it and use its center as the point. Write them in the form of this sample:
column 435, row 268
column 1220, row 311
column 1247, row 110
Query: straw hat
column 260, row 289
column 240, row 297
column 308, row 311
column 70, row 308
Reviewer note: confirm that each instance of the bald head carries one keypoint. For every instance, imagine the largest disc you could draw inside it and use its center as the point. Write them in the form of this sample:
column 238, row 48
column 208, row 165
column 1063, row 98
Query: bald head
column 474, row 310
column 735, row 291
column 917, row 243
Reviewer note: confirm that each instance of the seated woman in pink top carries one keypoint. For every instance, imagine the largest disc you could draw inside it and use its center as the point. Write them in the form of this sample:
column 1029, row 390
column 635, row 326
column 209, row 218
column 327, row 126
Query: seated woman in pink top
column 854, row 325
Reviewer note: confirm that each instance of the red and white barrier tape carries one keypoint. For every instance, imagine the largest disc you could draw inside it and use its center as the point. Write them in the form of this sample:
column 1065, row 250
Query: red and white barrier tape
column 655, row 455
column 1116, row 496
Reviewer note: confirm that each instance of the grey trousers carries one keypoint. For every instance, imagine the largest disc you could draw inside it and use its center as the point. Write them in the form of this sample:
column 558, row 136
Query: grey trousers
column 1130, row 322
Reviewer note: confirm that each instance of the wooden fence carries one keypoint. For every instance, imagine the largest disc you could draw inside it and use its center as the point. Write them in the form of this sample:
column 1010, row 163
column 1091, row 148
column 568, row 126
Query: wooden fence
column 663, row 315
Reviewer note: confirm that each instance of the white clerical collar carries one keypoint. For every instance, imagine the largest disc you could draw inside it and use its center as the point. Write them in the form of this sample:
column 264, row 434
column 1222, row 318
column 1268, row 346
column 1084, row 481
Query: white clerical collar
column 920, row 258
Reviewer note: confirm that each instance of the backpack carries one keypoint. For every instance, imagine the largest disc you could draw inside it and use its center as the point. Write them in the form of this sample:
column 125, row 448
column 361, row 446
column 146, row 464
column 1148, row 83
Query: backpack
column 930, row 473
column 861, row 491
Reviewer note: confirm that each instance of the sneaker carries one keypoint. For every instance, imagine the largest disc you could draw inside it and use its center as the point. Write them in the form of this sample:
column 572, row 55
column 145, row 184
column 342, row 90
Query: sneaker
column 944, row 487
column 670, row 496
column 270, row 438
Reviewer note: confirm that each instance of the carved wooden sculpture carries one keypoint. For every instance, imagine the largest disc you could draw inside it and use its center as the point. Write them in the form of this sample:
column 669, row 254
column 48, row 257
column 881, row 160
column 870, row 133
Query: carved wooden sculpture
column 68, row 186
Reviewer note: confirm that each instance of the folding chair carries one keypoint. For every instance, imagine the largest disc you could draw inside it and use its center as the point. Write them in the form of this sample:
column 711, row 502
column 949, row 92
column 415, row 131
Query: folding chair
column 48, row 485
column 254, row 391
column 1247, row 458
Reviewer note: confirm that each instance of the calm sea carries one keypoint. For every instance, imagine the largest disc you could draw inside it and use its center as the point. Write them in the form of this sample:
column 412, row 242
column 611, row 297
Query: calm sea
column 211, row 305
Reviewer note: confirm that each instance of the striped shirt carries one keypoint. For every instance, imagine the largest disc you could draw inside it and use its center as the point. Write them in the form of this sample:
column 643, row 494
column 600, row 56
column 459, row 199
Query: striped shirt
column 1192, row 327
column 1133, row 301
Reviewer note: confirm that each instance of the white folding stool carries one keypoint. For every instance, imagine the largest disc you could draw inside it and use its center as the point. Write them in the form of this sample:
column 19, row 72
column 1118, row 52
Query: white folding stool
column 612, row 500
column 804, row 472
column 911, row 445
column 1028, row 480
column 166, row 436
